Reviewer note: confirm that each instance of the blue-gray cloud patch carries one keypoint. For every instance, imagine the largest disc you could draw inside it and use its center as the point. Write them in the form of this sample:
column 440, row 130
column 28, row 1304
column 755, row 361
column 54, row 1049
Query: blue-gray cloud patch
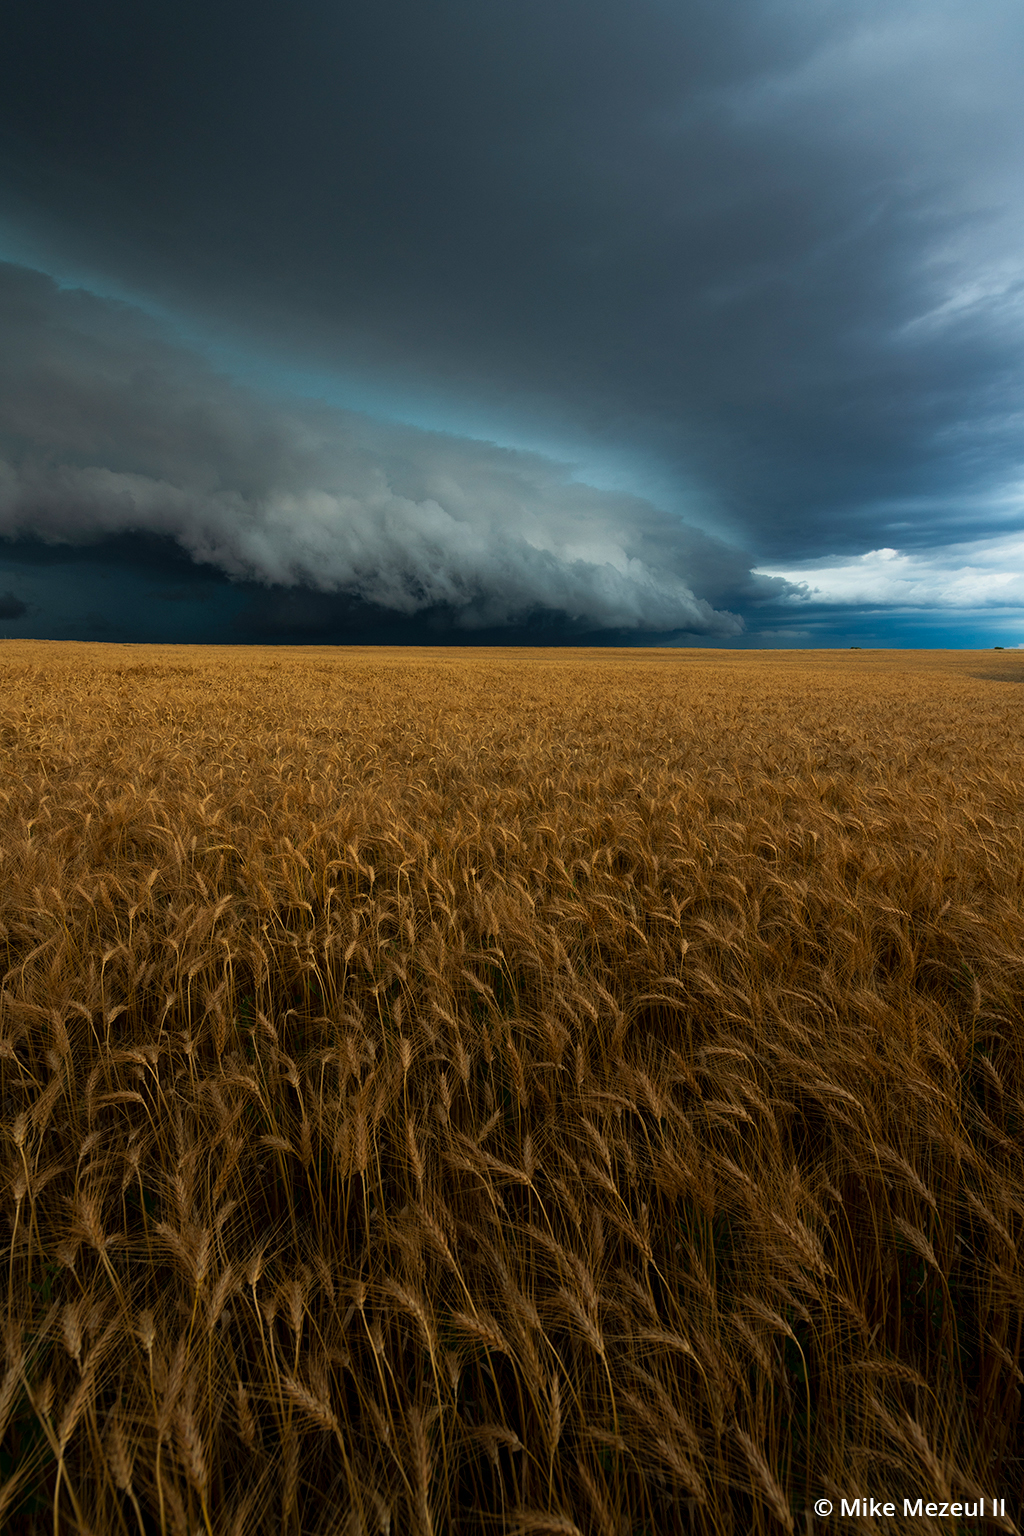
column 12, row 607
column 110, row 433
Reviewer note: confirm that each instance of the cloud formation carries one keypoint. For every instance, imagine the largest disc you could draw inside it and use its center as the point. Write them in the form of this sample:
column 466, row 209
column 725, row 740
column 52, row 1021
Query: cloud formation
column 108, row 430
column 987, row 573
column 11, row 607
column 772, row 251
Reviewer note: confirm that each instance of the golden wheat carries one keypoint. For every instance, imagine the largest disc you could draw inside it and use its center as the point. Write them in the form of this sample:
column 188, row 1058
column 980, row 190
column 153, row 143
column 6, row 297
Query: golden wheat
column 466, row 1092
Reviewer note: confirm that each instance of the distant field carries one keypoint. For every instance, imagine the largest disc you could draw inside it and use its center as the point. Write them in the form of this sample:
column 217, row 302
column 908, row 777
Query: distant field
column 481, row 1091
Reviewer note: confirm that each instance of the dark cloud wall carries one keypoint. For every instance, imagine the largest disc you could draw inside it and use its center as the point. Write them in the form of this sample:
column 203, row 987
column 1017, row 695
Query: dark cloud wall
column 109, row 432
column 773, row 246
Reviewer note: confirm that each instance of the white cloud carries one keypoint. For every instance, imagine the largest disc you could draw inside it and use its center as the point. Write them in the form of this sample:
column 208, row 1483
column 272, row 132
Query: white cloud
column 988, row 573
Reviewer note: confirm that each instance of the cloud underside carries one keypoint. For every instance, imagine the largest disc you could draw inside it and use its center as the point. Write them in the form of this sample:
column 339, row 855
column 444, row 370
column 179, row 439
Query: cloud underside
column 392, row 552
column 108, row 430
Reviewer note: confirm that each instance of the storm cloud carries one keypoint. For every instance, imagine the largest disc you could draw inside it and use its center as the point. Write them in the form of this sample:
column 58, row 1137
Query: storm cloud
column 759, row 264
column 109, row 430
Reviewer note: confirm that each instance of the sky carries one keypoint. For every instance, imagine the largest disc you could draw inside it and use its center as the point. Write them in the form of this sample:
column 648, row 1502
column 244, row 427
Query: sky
column 626, row 322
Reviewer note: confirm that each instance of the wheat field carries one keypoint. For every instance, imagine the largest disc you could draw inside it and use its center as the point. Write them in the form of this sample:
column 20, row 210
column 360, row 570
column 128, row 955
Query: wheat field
column 509, row 1091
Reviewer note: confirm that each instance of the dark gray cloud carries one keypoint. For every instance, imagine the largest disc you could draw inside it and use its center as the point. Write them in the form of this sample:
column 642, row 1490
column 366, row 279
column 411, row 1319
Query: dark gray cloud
column 107, row 431
column 772, row 246
column 11, row 607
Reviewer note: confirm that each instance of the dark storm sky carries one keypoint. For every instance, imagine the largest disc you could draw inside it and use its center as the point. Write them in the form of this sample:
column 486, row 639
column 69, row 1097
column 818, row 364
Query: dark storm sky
column 697, row 321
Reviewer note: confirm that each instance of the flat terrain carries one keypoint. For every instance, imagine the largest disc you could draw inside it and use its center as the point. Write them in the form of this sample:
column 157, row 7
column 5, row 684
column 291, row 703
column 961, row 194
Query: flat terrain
column 450, row 1092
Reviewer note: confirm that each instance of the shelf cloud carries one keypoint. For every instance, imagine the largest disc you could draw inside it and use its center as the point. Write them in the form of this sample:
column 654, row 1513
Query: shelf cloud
column 754, row 270
column 108, row 430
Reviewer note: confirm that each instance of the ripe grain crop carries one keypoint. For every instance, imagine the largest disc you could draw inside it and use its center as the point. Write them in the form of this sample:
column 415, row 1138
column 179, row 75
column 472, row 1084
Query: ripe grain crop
column 453, row 1092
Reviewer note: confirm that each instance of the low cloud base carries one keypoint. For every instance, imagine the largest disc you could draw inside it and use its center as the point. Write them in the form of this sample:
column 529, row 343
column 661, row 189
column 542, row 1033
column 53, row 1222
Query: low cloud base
column 108, row 431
